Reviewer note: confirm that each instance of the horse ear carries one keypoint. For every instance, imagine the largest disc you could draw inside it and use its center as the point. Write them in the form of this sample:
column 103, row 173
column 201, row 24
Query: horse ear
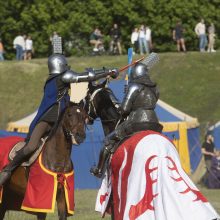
column 90, row 86
column 71, row 104
column 82, row 104
column 104, row 83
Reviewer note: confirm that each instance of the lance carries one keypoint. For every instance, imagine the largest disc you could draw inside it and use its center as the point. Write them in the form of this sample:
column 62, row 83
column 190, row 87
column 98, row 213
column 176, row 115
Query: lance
column 131, row 64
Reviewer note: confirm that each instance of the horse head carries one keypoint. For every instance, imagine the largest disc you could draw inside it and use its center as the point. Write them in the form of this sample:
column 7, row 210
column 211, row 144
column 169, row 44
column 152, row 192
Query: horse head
column 100, row 102
column 73, row 123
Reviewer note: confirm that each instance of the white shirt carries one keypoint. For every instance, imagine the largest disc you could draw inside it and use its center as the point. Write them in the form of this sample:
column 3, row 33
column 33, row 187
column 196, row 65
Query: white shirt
column 19, row 40
column 28, row 44
column 134, row 37
column 142, row 34
column 148, row 34
column 200, row 28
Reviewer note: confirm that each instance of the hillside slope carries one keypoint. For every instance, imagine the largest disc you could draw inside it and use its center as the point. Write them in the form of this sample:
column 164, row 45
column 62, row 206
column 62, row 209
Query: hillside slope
column 189, row 82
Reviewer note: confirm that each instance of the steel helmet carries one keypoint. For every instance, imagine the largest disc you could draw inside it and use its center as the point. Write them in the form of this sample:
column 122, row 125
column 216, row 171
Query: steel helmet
column 57, row 64
column 138, row 71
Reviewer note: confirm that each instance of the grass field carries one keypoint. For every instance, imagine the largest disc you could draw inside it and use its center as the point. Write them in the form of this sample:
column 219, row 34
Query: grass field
column 85, row 202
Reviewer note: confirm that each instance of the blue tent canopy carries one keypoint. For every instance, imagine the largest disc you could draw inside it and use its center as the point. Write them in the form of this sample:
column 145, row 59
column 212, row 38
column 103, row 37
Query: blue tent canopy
column 215, row 131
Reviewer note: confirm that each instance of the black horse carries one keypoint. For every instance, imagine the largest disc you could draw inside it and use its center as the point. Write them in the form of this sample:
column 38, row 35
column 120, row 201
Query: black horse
column 101, row 102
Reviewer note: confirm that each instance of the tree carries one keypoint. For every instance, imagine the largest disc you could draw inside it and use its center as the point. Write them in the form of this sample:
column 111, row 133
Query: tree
column 75, row 20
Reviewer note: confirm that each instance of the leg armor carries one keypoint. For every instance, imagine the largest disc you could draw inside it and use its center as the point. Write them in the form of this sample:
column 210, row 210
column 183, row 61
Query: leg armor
column 23, row 154
column 110, row 143
column 108, row 149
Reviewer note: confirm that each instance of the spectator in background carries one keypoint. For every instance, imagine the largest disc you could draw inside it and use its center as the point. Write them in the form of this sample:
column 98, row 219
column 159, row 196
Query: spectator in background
column 208, row 149
column 24, row 48
column 95, row 39
column 29, row 47
column 214, row 174
column 134, row 40
column 1, row 50
column 178, row 37
column 142, row 40
column 115, row 35
column 19, row 45
column 200, row 30
column 148, row 39
column 211, row 36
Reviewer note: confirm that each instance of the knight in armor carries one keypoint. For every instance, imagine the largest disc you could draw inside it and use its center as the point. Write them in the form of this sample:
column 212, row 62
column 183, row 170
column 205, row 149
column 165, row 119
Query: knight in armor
column 137, row 109
column 54, row 101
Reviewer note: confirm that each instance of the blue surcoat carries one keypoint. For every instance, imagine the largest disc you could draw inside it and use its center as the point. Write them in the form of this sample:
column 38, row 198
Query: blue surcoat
column 50, row 98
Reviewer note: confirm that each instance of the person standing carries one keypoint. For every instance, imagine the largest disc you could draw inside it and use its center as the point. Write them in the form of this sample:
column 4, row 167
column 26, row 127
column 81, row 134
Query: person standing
column 200, row 31
column 208, row 149
column 211, row 36
column 1, row 51
column 178, row 37
column 115, row 35
column 19, row 45
column 134, row 39
column 24, row 55
column 148, row 38
column 142, row 40
column 29, row 47
column 214, row 175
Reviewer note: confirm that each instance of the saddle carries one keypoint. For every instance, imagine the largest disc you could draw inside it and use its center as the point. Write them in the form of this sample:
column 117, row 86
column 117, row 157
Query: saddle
column 33, row 157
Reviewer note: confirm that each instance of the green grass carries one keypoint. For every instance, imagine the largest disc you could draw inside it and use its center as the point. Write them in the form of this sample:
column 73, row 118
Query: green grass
column 85, row 203
column 189, row 82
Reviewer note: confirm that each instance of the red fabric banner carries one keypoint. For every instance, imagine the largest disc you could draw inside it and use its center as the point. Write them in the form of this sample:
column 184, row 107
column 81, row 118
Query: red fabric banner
column 6, row 144
column 42, row 186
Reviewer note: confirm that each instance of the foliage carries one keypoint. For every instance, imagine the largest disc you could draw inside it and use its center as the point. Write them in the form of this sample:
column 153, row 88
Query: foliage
column 75, row 20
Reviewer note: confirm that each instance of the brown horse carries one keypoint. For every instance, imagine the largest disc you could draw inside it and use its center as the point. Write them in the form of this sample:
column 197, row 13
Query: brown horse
column 55, row 157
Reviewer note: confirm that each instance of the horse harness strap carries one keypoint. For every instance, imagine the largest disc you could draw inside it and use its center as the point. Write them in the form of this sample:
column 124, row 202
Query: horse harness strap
column 91, row 99
column 61, row 178
column 67, row 133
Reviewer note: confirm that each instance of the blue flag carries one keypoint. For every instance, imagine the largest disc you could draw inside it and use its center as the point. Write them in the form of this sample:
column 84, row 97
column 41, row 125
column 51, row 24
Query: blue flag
column 130, row 57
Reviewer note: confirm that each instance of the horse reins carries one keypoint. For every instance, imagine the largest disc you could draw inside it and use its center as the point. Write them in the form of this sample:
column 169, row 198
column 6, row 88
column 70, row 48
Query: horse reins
column 91, row 101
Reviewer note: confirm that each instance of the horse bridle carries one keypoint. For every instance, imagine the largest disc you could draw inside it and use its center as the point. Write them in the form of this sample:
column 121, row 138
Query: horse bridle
column 68, row 134
column 92, row 96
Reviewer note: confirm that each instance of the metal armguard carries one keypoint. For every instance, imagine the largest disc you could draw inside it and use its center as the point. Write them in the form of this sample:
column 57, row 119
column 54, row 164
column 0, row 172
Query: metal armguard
column 91, row 75
column 133, row 91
